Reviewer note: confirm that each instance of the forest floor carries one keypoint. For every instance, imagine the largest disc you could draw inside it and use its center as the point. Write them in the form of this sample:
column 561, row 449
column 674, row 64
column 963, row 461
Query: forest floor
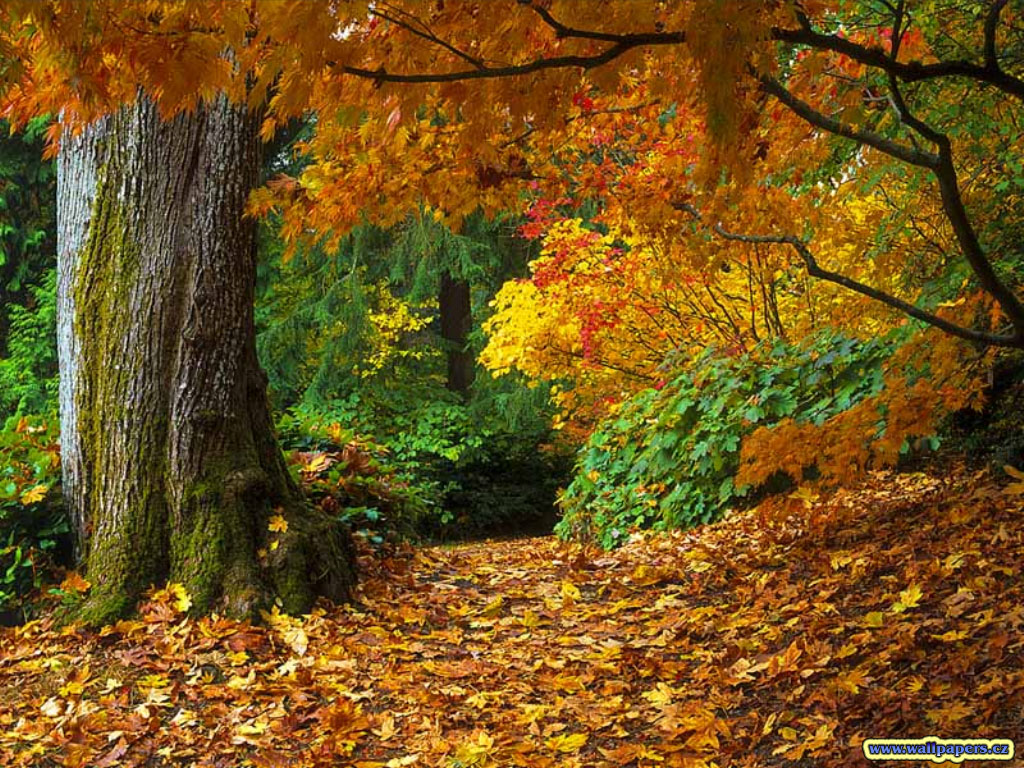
column 781, row 636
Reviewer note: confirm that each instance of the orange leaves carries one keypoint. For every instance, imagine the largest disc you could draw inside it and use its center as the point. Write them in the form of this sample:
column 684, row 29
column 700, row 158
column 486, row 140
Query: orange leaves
column 566, row 742
column 74, row 584
column 757, row 641
column 1015, row 488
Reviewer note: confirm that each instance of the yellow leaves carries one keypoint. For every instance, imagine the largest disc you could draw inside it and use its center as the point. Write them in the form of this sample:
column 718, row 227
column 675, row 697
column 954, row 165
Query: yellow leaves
column 529, row 619
column 76, row 683
column 1017, row 488
column 173, row 595
column 853, row 680
column 255, row 727
column 315, row 464
column 180, row 599
column 874, row 619
column 277, row 523
column 952, row 636
column 570, row 591
column 289, row 629
column 493, row 608
column 807, row 496
column 645, row 575
column 34, row 494
column 566, row 743
column 660, row 696
column 909, row 598
column 150, row 682
column 474, row 753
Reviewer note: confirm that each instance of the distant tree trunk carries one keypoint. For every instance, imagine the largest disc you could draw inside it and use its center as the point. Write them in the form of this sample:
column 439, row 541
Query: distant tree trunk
column 171, row 468
column 456, row 323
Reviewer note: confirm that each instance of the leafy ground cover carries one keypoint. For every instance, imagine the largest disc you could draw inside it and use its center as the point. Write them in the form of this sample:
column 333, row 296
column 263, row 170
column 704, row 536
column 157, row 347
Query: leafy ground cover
column 783, row 635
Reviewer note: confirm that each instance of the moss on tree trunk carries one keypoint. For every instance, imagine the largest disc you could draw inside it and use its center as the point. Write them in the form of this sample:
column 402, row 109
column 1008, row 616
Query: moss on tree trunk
column 171, row 468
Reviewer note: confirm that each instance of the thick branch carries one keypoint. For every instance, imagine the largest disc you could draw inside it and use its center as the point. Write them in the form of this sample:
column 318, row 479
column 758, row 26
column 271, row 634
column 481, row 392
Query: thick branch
column 990, row 72
column 817, row 271
column 489, row 73
column 956, row 212
column 824, row 122
column 565, row 31
column 909, row 119
column 914, row 71
column 991, row 22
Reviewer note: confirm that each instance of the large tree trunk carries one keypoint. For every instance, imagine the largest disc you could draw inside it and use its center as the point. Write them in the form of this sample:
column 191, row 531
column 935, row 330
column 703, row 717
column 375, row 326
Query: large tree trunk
column 456, row 323
column 171, row 468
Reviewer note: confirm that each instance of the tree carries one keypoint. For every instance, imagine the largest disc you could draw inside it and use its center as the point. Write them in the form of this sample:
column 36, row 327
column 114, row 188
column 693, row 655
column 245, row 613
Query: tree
column 454, row 304
column 171, row 469
column 844, row 84
column 466, row 105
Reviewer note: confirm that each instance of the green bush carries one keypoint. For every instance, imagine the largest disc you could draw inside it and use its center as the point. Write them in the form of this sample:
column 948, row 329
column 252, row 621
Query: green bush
column 668, row 458
column 32, row 521
column 473, row 467
column 28, row 369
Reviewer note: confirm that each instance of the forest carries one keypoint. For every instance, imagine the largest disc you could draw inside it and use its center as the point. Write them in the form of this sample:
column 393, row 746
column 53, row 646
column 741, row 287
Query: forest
column 479, row 383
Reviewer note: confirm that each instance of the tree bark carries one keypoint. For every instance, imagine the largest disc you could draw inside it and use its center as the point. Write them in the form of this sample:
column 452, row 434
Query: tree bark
column 171, row 468
column 456, row 323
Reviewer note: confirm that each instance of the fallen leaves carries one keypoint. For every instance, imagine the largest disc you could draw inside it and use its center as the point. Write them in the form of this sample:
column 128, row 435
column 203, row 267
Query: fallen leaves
column 761, row 640
column 74, row 584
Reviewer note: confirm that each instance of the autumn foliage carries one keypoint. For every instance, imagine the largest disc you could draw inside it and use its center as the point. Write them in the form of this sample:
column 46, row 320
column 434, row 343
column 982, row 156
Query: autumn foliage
column 791, row 632
column 775, row 252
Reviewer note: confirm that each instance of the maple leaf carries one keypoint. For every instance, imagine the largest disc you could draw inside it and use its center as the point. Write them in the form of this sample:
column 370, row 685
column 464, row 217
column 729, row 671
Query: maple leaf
column 570, row 592
column 909, row 598
column 74, row 583
column 566, row 742
column 34, row 494
column 874, row 619
column 477, row 751
column 277, row 524
column 493, row 608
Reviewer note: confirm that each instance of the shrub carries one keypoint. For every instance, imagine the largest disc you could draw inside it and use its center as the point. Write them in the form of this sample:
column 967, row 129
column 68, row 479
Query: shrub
column 472, row 468
column 32, row 522
column 669, row 456
column 28, row 369
column 354, row 478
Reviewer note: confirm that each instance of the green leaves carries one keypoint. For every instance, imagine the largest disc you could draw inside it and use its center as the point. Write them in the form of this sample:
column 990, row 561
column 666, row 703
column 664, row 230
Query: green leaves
column 29, row 526
column 668, row 458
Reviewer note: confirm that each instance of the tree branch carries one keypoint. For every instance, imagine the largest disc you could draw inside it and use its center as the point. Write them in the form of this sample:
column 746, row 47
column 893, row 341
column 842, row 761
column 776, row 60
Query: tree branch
column 563, row 31
column 815, row 270
column 990, row 73
column 991, row 22
column 426, row 34
column 824, row 122
column 956, row 212
column 914, row 71
column 485, row 73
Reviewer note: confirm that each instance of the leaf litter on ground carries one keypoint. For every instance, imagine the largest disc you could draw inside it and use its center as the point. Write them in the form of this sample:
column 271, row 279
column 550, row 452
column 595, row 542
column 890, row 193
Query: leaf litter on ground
column 784, row 635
